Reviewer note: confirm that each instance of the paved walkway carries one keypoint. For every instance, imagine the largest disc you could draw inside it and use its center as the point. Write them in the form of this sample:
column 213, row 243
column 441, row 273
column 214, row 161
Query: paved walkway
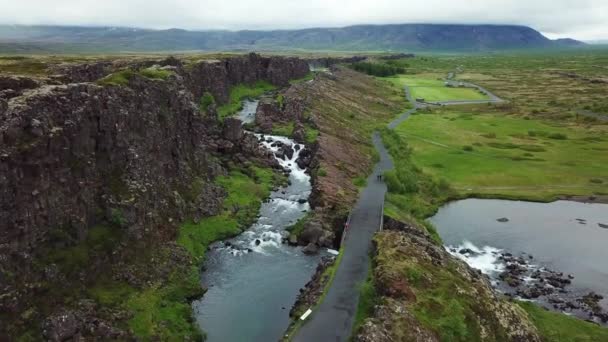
column 333, row 320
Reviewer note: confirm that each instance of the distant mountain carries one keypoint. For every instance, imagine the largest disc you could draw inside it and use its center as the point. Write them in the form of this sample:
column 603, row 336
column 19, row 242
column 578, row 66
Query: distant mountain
column 598, row 41
column 403, row 37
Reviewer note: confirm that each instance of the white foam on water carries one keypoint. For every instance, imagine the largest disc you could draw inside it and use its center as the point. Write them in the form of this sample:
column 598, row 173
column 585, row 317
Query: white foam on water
column 486, row 259
column 261, row 237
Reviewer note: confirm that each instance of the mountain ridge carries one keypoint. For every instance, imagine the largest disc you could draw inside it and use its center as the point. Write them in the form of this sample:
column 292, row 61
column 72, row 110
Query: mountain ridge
column 389, row 37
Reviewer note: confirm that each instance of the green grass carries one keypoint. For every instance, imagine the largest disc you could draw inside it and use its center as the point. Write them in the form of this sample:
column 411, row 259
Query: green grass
column 122, row 78
column 511, row 155
column 164, row 311
column 556, row 327
column 240, row 92
column 311, row 134
column 297, row 228
column 285, row 130
column 206, row 100
column 119, row 78
column 432, row 89
column 308, row 77
column 155, row 73
column 367, row 299
column 196, row 237
column 360, row 182
column 410, row 190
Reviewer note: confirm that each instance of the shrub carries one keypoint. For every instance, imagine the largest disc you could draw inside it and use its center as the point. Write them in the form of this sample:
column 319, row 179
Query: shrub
column 206, row 100
column 489, row 135
column 377, row 69
column 155, row 73
column 596, row 181
column 557, row 136
column 468, row 148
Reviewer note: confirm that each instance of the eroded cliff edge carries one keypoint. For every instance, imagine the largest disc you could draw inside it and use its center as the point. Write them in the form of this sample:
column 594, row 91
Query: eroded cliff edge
column 96, row 176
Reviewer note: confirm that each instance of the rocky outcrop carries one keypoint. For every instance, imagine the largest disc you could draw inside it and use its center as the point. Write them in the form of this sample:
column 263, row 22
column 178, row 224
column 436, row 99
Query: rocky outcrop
column 73, row 153
column 87, row 72
column 13, row 86
column 216, row 77
column 415, row 276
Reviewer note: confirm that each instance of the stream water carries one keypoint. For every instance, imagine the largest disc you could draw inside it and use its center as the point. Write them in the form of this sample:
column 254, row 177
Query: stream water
column 254, row 278
column 558, row 250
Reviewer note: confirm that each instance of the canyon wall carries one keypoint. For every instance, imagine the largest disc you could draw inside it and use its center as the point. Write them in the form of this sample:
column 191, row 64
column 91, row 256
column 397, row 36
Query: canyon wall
column 71, row 154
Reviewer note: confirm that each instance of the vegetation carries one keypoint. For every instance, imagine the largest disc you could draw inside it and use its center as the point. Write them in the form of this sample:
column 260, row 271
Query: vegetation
column 164, row 311
column 367, row 299
column 553, row 85
column 557, row 327
column 121, row 78
column 377, row 69
column 206, row 100
column 308, row 77
column 506, row 162
column 246, row 190
column 155, row 73
column 431, row 88
column 240, row 92
column 285, row 130
column 410, row 191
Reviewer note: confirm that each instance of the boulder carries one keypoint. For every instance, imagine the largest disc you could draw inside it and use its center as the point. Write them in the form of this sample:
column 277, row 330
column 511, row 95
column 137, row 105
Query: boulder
column 287, row 150
column 304, row 159
column 299, row 133
column 310, row 249
column 233, row 129
column 61, row 326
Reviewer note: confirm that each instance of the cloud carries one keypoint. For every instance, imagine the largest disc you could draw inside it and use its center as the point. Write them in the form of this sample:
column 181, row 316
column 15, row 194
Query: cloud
column 582, row 19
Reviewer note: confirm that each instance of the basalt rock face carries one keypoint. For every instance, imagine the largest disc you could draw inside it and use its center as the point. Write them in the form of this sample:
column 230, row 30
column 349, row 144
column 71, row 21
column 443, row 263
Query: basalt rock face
column 217, row 77
column 73, row 153
column 139, row 157
column 87, row 72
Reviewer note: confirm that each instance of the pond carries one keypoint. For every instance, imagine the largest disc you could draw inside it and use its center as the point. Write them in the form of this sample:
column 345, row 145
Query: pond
column 553, row 253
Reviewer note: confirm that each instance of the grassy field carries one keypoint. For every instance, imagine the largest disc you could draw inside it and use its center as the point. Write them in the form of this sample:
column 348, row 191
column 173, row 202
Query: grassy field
column 509, row 155
column 555, row 85
column 431, row 87
column 557, row 327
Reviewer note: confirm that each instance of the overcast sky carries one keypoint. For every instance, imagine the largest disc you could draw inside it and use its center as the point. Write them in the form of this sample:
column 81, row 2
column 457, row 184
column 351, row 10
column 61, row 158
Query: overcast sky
column 580, row 19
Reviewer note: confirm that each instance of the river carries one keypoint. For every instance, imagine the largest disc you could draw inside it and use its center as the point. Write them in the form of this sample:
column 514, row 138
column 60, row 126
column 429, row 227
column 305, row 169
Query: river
column 254, row 278
column 564, row 239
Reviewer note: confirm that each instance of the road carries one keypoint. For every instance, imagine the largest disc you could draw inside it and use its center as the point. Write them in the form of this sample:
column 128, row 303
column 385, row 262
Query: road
column 334, row 318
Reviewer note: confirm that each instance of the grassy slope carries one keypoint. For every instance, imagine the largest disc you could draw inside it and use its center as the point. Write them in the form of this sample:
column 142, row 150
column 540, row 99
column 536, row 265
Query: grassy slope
column 431, row 88
column 507, row 155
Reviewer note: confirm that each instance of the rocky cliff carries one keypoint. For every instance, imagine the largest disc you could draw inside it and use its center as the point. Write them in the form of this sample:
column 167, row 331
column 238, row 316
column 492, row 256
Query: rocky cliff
column 137, row 157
